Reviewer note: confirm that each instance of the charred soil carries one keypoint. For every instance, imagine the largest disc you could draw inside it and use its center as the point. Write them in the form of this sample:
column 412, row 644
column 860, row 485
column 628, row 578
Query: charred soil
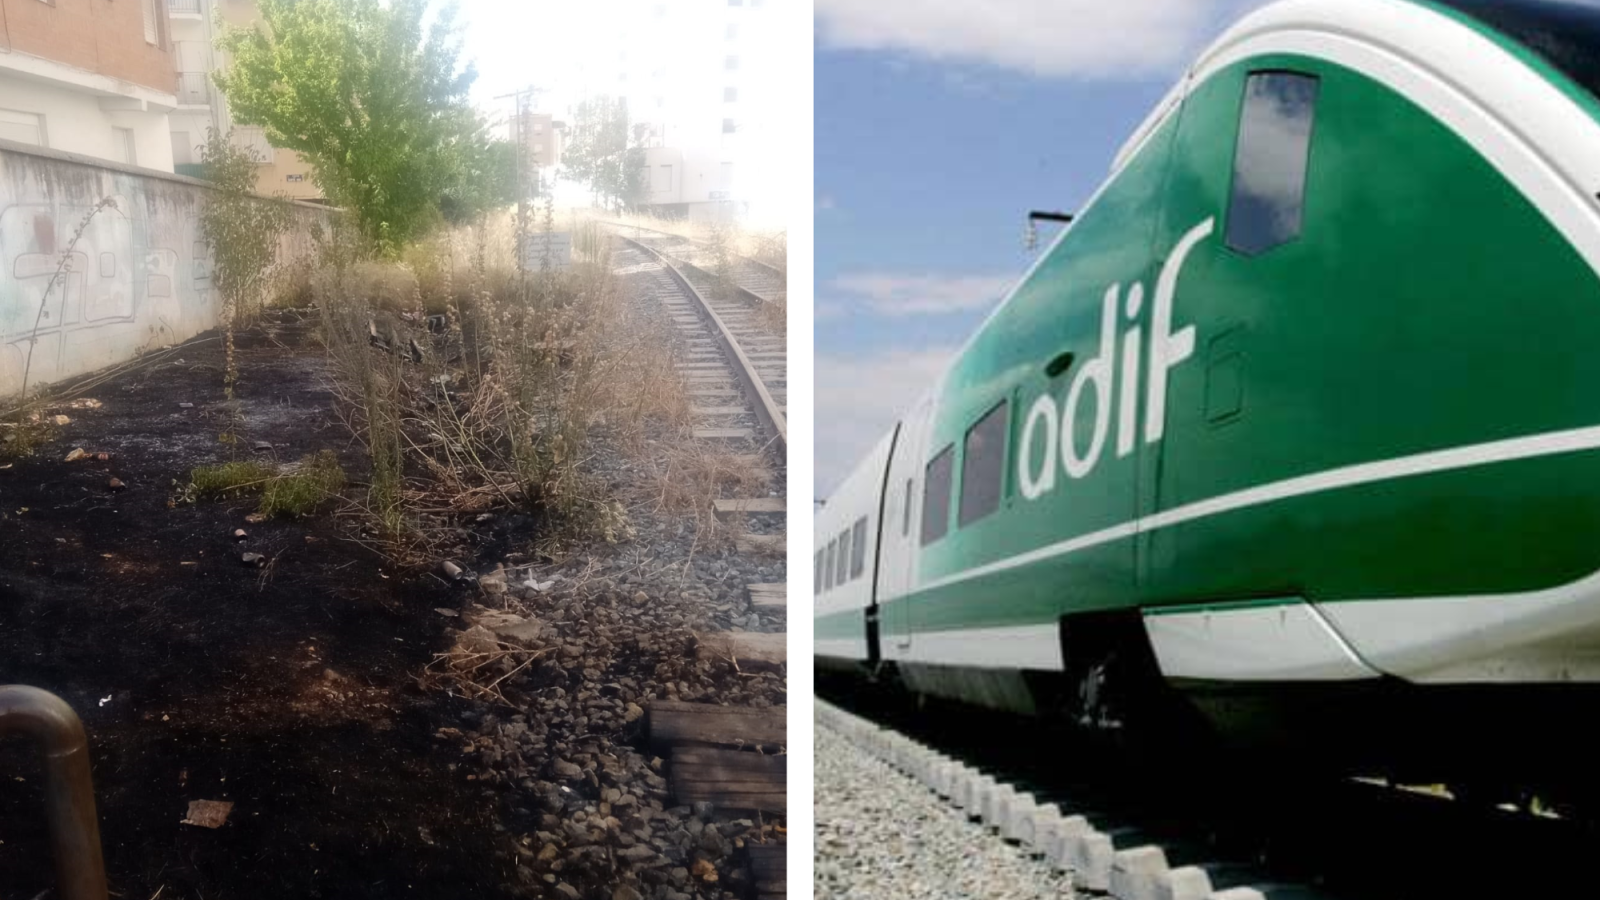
column 289, row 690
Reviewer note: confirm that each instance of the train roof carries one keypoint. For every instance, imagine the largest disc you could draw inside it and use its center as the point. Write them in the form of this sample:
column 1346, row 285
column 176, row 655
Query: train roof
column 1560, row 36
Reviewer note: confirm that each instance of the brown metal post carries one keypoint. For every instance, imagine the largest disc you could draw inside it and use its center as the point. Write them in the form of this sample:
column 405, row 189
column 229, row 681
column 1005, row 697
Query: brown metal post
column 69, row 793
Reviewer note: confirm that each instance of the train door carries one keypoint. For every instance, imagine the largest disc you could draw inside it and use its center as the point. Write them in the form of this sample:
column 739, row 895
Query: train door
column 1231, row 228
column 898, row 547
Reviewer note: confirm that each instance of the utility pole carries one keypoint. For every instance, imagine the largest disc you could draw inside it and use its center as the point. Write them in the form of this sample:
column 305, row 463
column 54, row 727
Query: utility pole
column 527, row 160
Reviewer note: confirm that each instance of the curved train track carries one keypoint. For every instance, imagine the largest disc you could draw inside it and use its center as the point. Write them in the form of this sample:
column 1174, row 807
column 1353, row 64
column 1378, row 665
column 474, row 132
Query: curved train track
column 724, row 328
column 756, row 281
column 1132, row 827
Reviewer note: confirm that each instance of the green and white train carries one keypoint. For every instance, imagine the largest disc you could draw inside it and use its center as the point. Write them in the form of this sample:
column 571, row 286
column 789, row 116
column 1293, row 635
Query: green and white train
column 1301, row 415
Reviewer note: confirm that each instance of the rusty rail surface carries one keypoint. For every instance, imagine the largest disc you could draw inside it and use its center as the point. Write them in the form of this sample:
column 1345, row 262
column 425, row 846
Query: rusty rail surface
column 69, row 792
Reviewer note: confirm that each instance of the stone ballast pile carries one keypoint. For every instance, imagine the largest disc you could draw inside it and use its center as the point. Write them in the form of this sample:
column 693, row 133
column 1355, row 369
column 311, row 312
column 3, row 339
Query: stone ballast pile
column 589, row 810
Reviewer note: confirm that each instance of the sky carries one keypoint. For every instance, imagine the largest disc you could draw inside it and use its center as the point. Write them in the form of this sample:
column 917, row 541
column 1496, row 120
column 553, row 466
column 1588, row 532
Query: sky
column 569, row 50
column 939, row 125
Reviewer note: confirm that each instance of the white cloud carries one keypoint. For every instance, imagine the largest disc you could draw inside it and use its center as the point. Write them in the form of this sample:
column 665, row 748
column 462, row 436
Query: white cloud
column 1059, row 38
column 896, row 295
column 858, row 399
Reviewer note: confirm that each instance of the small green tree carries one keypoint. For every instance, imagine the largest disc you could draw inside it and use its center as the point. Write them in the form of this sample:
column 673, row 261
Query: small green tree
column 488, row 180
column 242, row 231
column 598, row 152
column 378, row 108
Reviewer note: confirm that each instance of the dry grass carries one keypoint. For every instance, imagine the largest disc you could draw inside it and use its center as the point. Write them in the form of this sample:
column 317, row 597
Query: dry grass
column 495, row 409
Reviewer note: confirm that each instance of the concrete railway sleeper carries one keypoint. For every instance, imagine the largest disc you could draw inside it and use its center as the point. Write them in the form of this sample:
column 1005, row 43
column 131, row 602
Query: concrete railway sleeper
column 1132, row 828
column 1067, row 840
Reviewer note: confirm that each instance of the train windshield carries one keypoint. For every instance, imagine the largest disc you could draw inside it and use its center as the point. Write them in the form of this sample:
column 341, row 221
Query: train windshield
column 1566, row 33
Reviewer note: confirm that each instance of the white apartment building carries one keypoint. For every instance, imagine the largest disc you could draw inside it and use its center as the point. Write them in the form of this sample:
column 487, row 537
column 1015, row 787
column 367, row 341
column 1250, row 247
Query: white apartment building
column 89, row 77
column 697, row 75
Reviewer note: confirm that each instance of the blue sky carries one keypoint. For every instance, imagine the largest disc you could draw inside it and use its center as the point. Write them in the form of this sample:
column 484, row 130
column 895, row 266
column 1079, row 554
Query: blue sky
column 939, row 125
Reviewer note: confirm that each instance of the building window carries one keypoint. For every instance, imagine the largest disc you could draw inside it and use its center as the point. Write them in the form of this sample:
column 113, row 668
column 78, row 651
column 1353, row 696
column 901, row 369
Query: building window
column 730, row 95
column 827, row 566
column 728, row 126
column 983, row 465
column 23, row 127
column 732, row 32
column 843, row 573
column 936, row 497
column 731, row 63
column 122, row 148
column 152, row 27
column 735, row 2
column 816, row 579
column 1270, row 160
column 662, row 180
column 858, row 548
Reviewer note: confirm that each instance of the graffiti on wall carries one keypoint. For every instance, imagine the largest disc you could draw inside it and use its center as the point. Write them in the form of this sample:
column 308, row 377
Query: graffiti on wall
column 138, row 276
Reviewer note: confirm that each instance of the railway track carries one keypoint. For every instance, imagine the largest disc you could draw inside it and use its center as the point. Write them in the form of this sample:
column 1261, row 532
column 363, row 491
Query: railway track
column 757, row 281
column 734, row 366
column 1138, row 829
column 728, row 340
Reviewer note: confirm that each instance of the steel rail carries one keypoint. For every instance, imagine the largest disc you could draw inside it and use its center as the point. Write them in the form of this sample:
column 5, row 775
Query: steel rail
column 69, row 791
column 765, row 407
column 772, row 270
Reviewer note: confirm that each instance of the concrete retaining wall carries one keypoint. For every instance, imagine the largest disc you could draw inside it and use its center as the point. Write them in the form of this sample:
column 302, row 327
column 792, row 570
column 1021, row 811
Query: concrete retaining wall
column 141, row 271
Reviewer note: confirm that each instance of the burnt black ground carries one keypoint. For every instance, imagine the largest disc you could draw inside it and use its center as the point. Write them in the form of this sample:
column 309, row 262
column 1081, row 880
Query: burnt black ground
column 291, row 695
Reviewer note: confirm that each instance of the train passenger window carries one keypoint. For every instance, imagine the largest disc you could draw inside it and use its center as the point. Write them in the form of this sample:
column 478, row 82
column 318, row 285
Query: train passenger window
column 843, row 575
column 827, row 567
column 905, row 524
column 816, row 581
column 1267, row 204
column 858, row 548
column 936, row 496
column 983, row 465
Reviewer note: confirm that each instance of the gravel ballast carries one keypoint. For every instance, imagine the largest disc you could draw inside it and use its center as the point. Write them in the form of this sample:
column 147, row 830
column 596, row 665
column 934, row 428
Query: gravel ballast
column 882, row 834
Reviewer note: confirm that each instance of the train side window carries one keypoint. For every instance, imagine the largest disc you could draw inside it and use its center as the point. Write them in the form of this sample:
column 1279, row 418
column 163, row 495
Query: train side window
column 816, row 581
column 936, row 496
column 858, row 548
column 843, row 575
column 827, row 567
column 1267, row 203
column 905, row 523
column 983, row 465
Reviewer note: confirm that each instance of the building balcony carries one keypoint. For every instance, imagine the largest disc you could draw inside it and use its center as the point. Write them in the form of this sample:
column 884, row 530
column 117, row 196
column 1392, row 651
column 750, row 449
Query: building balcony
column 194, row 89
column 185, row 8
